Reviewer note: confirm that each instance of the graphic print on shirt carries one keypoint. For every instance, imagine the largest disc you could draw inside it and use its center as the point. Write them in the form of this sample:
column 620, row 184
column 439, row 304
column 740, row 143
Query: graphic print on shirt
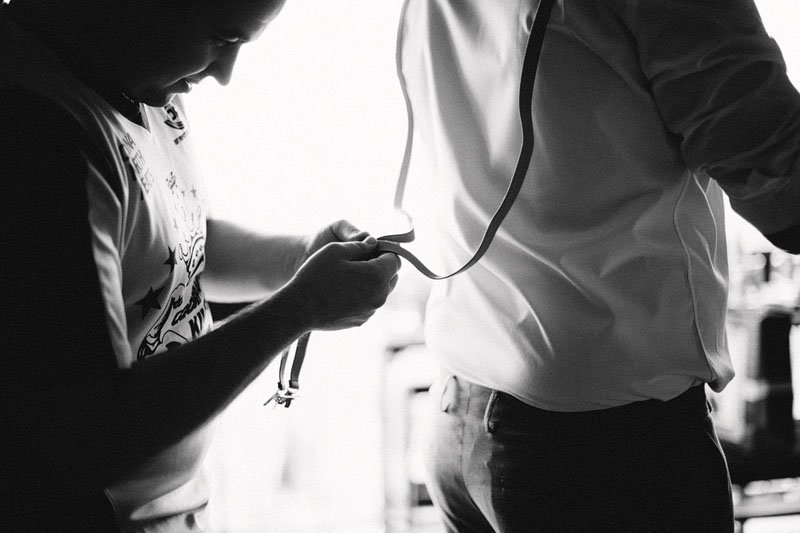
column 177, row 311
column 174, row 121
column 133, row 157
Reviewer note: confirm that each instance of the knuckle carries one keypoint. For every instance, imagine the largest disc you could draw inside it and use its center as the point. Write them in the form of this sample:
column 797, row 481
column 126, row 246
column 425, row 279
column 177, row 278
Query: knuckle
column 328, row 249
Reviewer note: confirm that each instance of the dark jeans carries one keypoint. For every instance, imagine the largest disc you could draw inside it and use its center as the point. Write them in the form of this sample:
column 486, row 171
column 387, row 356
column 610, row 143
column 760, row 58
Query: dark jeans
column 498, row 464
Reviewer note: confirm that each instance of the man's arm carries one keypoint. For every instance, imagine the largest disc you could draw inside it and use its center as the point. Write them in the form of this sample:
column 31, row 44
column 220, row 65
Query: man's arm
column 721, row 85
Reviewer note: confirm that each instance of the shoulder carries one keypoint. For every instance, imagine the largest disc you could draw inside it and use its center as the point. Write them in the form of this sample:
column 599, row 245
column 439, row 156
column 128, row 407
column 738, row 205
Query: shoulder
column 32, row 125
column 43, row 145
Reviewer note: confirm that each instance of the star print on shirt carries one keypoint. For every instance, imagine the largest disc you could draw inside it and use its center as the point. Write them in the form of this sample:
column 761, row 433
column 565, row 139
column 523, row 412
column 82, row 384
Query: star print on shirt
column 150, row 301
column 171, row 261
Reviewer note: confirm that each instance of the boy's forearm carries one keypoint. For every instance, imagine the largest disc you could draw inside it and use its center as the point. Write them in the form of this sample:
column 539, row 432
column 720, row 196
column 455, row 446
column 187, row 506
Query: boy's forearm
column 156, row 403
column 244, row 265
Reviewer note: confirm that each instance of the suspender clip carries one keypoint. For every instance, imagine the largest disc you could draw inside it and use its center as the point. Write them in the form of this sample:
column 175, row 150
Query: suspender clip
column 283, row 396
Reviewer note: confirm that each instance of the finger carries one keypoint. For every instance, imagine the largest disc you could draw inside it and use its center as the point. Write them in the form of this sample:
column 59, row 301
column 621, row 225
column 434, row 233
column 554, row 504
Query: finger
column 353, row 321
column 355, row 250
column 387, row 263
column 360, row 236
column 346, row 231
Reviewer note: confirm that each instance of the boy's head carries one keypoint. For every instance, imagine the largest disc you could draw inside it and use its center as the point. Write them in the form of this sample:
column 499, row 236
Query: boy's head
column 157, row 48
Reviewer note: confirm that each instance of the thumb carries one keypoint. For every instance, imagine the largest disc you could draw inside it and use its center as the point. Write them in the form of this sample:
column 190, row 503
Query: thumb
column 357, row 250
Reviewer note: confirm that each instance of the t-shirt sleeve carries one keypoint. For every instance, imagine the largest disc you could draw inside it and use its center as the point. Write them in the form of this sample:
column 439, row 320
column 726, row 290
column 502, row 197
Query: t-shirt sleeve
column 56, row 348
column 720, row 84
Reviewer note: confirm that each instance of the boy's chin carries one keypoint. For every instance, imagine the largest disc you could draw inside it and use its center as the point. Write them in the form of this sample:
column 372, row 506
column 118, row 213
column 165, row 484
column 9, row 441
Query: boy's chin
column 158, row 98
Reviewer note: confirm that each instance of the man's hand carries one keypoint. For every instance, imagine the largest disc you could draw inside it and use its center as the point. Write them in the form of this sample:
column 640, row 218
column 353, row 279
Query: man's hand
column 343, row 283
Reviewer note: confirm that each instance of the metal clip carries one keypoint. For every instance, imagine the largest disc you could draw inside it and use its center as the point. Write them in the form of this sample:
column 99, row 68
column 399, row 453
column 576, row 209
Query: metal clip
column 283, row 396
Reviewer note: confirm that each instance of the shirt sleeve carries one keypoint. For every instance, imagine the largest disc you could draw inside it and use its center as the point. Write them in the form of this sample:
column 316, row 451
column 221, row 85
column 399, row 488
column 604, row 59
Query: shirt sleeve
column 720, row 84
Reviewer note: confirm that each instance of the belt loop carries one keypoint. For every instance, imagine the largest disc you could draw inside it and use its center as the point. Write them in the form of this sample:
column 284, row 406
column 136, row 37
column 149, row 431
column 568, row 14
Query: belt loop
column 449, row 394
column 488, row 421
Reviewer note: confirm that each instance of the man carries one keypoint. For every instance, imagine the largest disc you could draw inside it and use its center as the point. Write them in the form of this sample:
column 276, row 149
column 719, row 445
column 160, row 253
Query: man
column 111, row 375
column 576, row 353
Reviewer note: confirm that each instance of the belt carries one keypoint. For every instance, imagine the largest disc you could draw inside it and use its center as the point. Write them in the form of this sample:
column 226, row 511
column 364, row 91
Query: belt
column 288, row 386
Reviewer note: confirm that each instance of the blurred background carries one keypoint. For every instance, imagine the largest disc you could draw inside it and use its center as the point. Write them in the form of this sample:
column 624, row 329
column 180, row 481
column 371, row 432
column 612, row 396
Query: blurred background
column 312, row 129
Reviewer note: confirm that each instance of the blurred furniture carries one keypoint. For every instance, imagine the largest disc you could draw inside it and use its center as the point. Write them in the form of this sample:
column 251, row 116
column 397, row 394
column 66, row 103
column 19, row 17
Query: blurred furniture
column 409, row 372
column 754, row 416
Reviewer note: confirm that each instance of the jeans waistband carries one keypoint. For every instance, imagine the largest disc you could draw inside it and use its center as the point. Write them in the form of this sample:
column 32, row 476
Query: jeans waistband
column 691, row 404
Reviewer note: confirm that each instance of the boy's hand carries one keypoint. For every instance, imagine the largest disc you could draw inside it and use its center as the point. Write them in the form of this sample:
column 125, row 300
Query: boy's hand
column 339, row 231
column 343, row 283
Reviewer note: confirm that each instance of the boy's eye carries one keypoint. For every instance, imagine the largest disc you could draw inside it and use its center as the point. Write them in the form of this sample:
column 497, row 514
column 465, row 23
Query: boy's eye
column 219, row 42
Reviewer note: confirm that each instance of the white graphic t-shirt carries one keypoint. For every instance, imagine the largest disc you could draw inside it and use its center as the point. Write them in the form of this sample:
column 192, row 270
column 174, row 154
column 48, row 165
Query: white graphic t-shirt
column 148, row 224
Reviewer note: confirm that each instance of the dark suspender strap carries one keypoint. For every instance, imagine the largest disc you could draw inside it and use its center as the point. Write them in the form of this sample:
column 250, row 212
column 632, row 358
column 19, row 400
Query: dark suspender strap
column 390, row 243
column 297, row 363
column 288, row 388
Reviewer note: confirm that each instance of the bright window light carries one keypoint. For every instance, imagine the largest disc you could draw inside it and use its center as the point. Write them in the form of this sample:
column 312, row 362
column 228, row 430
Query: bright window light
column 311, row 129
column 312, row 126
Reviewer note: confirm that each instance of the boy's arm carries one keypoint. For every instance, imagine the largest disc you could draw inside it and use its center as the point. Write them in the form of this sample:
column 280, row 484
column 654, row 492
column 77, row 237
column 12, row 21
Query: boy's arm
column 243, row 265
column 64, row 396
